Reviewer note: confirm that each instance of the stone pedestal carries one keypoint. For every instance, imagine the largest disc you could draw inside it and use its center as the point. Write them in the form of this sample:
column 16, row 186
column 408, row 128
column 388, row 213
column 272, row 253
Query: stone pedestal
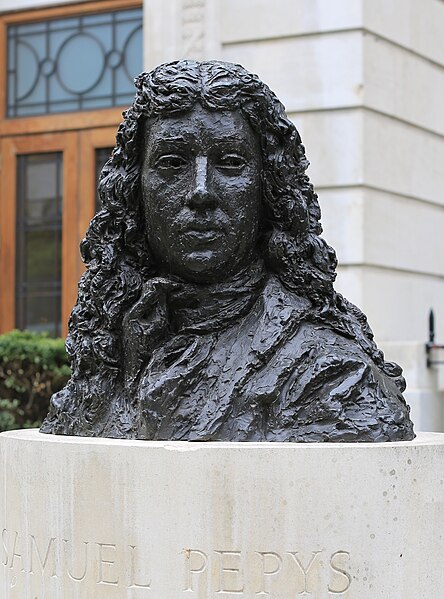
column 105, row 519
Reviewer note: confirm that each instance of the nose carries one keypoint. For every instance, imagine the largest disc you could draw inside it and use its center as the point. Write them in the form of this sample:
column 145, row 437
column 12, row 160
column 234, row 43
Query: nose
column 199, row 196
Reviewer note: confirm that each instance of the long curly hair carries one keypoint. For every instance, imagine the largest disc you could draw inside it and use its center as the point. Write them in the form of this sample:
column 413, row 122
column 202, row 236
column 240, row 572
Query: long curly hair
column 116, row 250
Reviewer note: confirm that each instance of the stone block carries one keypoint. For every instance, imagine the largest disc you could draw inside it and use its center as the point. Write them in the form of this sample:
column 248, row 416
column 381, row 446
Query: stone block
column 180, row 29
column 109, row 519
column 161, row 32
column 342, row 222
column 403, row 84
column 367, row 226
column 402, row 158
column 242, row 21
column 308, row 73
column 415, row 24
column 333, row 142
column 396, row 303
column 403, row 233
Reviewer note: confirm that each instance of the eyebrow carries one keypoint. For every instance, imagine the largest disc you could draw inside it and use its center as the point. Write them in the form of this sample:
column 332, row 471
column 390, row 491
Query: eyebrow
column 171, row 139
column 183, row 139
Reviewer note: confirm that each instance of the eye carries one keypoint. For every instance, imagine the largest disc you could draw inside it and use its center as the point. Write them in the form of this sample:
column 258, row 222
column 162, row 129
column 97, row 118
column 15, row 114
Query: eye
column 170, row 162
column 232, row 162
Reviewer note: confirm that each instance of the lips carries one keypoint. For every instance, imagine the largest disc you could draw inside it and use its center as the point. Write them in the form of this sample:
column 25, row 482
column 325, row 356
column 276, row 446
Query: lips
column 203, row 231
column 203, row 235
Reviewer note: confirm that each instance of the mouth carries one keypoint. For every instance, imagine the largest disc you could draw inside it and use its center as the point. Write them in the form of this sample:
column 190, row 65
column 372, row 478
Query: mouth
column 203, row 231
column 203, row 235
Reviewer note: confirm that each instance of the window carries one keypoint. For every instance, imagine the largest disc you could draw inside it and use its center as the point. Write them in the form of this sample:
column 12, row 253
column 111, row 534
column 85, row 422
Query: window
column 76, row 63
column 39, row 242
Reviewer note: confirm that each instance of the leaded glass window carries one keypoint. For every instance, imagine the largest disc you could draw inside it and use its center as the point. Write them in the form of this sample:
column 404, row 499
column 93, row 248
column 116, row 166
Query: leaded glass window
column 76, row 63
column 39, row 242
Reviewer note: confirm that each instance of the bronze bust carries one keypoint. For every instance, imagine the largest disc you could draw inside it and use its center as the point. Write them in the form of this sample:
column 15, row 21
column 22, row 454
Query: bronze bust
column 207, row 311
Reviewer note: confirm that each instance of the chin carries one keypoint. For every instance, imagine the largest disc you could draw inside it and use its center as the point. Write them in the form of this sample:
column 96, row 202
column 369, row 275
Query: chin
column 204, row 266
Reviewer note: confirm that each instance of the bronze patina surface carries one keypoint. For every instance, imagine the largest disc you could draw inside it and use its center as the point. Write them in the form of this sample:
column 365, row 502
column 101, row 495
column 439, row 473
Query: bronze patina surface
column 207, row 311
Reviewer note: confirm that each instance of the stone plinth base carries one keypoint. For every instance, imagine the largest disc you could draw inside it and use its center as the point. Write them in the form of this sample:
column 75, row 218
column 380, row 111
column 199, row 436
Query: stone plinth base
column 104, row 519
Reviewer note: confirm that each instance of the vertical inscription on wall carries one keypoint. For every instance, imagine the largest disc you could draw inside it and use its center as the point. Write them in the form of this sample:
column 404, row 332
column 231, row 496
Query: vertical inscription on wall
column 193, row 29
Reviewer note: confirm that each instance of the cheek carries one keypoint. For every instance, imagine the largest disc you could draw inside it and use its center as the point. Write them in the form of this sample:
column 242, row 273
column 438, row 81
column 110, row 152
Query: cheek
column 246, row 202
column 239, row 195
column 244, row 228
column 159, row 206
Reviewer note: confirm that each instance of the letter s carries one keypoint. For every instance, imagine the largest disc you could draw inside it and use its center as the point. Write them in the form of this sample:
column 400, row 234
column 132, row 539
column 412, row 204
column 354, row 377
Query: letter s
column 5, row 549
column 341, row 571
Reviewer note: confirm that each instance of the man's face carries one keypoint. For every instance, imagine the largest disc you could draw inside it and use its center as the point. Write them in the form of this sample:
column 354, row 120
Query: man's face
column 201, row 185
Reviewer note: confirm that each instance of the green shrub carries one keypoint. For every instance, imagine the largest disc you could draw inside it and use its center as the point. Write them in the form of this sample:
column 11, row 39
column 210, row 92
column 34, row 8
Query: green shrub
column 33, row 366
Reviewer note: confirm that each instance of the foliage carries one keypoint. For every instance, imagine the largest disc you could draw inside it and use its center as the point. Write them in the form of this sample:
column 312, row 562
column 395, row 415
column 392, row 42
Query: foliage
column 33, row 366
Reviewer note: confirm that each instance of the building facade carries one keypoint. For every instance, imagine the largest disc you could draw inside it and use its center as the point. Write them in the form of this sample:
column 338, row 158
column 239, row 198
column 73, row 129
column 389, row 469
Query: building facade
column 363, row 80
column 66, row 75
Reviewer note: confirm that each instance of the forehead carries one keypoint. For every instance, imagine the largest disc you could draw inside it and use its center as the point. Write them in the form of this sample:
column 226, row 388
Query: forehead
column 201, row 126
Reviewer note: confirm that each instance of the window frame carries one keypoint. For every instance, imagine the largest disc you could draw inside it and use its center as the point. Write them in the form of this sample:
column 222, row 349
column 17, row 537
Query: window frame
column 10, row 149
column 59, row 121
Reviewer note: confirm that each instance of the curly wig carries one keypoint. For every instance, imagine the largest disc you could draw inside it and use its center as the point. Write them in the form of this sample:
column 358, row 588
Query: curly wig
column 117, row 253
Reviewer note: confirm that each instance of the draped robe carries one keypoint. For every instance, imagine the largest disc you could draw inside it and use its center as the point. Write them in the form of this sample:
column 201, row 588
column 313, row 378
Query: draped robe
column 260, row 369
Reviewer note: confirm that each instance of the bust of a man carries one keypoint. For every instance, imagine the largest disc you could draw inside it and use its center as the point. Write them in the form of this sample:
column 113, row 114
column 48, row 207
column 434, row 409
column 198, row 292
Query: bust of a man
column 207, row 311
